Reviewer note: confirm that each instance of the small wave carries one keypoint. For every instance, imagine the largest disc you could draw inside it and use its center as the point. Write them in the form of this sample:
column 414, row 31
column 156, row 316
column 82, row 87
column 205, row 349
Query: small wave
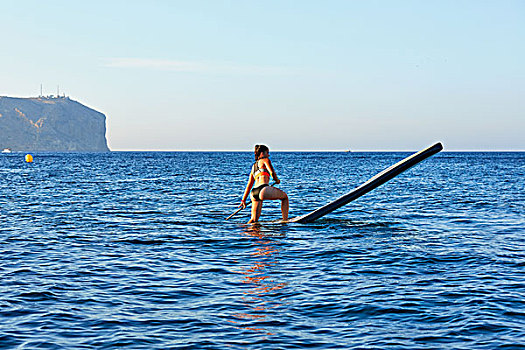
column 36, row 296
column 142, row 241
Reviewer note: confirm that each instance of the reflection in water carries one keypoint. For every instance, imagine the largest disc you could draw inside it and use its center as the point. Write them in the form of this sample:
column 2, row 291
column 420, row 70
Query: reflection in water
column 260, row 299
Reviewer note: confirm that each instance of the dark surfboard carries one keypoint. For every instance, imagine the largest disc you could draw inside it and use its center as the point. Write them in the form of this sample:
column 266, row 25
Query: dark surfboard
column 371, row 184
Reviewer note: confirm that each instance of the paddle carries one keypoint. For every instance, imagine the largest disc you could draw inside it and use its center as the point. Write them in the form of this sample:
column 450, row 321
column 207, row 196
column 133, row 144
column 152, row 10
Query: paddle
column 238, row 210
column 241, row 208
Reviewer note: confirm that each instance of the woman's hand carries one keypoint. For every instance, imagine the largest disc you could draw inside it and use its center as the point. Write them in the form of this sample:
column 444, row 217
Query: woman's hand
column 243, row 204
column 277, row 181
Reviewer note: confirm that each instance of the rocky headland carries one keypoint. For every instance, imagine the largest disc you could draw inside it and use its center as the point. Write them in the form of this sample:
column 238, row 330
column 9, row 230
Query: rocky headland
column 51, row 124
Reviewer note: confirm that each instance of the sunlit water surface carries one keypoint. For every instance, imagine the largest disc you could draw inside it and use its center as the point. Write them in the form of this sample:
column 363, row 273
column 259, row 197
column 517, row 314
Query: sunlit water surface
column 131, row 250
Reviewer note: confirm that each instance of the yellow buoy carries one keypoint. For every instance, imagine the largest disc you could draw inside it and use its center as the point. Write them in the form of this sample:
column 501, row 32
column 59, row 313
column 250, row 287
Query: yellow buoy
column 29, row 158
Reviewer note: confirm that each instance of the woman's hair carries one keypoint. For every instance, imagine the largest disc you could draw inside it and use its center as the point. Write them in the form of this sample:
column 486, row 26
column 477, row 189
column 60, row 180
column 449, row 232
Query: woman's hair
column 260, row 149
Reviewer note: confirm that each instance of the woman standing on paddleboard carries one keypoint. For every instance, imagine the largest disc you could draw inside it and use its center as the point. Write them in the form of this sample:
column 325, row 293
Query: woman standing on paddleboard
column 259, row 179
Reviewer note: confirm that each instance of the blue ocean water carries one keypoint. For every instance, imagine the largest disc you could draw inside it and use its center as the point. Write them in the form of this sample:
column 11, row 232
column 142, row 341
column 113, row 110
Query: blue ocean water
column 131, row 250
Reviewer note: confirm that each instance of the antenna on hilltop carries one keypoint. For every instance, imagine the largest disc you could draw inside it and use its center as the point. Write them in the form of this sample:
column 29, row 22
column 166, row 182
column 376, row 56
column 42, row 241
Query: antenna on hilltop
column 58, row 91
column 40, row 90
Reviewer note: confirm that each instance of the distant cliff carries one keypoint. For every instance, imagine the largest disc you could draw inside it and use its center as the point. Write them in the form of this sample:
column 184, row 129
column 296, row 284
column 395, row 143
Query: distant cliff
column 51, row 124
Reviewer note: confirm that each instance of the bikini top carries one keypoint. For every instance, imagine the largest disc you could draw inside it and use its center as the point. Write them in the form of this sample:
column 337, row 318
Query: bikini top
column 259, row 171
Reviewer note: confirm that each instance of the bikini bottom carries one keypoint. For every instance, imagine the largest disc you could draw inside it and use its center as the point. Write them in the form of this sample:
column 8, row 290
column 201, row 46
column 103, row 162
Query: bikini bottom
column 257, row 190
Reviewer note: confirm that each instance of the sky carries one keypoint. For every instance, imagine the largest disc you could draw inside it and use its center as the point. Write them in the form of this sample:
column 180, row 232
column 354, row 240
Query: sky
column 295, row 75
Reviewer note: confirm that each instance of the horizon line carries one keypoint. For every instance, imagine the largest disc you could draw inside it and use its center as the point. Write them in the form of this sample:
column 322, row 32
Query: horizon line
column 313, row 150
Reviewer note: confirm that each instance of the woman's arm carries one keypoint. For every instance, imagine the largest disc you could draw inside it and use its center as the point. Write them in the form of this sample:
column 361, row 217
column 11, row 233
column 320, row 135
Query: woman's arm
column 249, row 185
column 269, row 165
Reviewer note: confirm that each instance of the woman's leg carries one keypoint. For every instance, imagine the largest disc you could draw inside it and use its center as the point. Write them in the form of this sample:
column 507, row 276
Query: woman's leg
column 273, row 193
column 256, row 211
